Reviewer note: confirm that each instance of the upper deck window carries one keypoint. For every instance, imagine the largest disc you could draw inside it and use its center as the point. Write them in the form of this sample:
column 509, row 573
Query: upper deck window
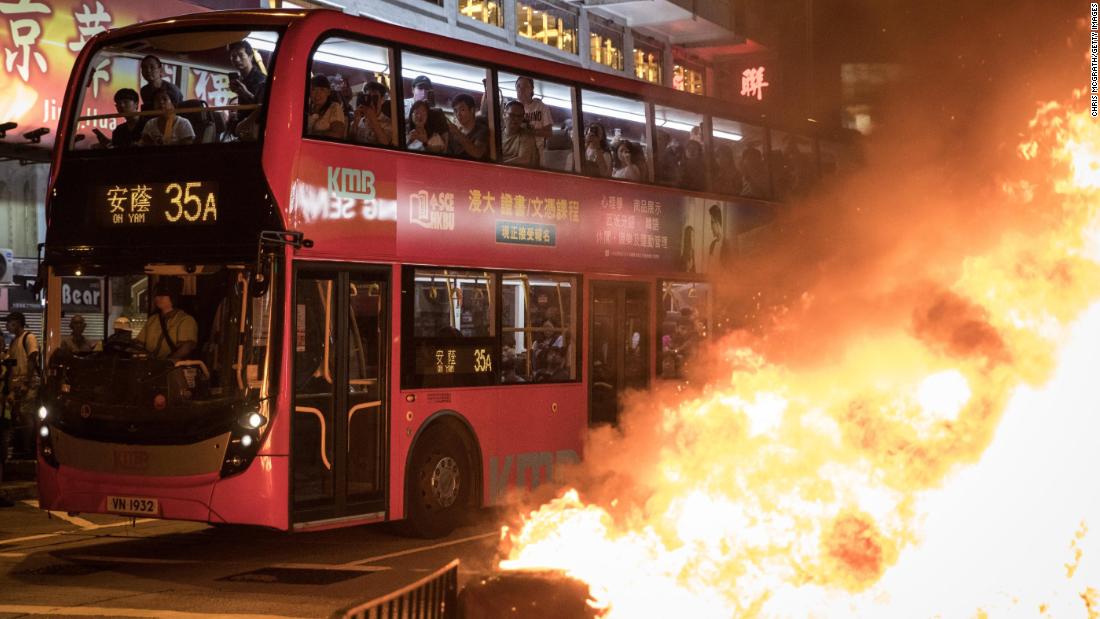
column 175, row 89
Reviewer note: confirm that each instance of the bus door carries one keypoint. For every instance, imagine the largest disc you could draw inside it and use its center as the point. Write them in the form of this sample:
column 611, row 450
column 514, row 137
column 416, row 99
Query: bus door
column 338, row 437
column 619, row 353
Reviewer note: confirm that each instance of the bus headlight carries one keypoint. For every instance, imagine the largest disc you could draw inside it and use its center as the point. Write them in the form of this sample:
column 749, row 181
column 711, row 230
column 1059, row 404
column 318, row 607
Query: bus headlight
column 42, row 413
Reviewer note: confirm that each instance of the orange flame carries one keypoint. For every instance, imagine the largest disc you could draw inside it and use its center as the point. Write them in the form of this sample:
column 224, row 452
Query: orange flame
column 945, row 469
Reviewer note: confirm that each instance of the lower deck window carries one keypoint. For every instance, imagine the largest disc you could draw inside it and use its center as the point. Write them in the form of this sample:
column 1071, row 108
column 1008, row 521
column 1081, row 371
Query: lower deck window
column 466, row 328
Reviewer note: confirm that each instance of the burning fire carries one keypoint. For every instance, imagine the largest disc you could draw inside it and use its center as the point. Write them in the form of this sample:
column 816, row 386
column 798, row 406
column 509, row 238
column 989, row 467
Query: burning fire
column 943, row 468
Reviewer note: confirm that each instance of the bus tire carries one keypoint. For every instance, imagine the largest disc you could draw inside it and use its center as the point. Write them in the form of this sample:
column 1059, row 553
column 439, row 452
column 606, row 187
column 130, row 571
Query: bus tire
column 440, row 483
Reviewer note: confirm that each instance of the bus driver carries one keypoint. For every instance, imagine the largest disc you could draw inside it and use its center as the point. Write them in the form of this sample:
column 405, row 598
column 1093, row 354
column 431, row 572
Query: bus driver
column 169, row 333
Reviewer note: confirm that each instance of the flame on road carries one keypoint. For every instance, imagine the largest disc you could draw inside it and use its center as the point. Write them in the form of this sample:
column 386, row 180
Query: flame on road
column 944, row 467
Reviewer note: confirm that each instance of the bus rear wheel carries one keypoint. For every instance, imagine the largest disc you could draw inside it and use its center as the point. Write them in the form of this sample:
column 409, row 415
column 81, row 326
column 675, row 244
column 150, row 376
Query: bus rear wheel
column 439, row 485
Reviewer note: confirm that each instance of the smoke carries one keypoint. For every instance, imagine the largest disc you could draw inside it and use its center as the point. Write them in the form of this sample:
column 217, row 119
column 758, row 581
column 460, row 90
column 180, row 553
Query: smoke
column 801, row 415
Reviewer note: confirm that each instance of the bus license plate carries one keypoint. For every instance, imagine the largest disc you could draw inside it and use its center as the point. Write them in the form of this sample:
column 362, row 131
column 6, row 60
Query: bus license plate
column 132, row 505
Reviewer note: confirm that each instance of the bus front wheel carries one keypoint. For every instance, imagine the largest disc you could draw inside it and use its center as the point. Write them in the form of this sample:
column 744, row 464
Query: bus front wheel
column 441, row 479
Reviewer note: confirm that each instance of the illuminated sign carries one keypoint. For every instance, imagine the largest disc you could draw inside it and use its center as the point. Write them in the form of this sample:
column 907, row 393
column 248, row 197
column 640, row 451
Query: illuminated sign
column 157, row 204
column 451, row 359
column 40, row 40
column 752, row 83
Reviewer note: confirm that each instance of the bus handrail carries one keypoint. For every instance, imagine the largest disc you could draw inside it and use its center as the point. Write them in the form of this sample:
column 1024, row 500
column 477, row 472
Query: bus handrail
column 434, row 596
column 179, row 110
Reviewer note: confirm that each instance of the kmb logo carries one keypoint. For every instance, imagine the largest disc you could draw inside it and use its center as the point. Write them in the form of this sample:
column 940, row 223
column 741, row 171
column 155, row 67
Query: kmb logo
column 131, row 460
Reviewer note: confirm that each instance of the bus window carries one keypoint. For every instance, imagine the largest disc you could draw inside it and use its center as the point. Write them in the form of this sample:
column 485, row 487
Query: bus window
column 349, row 93
column 684, row 325
column 547, row 113
column 452, row 318
column 738, row 166
column 621, row 123
column 679, row 155
column 539, row 317
column 176, row 89
column 792, row 163
column 432, row 121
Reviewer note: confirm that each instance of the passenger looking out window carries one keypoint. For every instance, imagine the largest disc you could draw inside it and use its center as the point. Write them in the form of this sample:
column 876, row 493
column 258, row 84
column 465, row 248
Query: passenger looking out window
column 152, row 70
column 725, row 176
column 536, row 114
column 597, row 152
column 371, row 124
column 326, row 114
column 694, row 170
column 249, row 81
column 469, row 137
column 427, row 129
column 422, row 91
column 167, row 128
column 169, row 333
column 754, row 174
column 518, row 143
column 129, row 132
column 627, row 169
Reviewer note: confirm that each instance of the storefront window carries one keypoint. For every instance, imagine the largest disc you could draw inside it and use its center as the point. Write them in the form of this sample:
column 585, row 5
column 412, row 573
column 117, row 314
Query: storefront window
column 605, row 46
column 688, row 78
column 647, row 64
column 547, row 24
column 484, row 11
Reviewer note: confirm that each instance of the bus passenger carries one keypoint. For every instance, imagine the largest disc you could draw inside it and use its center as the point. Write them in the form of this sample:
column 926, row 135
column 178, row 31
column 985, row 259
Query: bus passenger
column 129, row 132
column 628, row 169
column 167, row 128
column 508, row 374
column 726, row 178
column 153, row 72
column 518, row 144
column 425, row 131
column 754, row 174
column 470, row 137
column 536, row 114
column 326, row 113
column 169, row 333
column 76, row 343
column 597, row 152
column 371, row 124
column 693, row 172
column 122, row 337
column 249, row 83
column 422, row 91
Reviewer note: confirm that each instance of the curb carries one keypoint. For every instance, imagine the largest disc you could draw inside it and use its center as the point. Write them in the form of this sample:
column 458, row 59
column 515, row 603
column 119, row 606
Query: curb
column 19, row 490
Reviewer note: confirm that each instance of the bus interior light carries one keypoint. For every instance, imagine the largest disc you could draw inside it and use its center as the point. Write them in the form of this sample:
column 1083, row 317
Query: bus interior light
column 246, row 440
column 255, row 420
column 725, row 135
column 42, row 413
column 44, row 431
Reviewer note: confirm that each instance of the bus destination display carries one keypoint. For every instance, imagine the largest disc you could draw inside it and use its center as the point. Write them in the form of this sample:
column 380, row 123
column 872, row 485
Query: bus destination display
column 157, row 204
column 453, row 358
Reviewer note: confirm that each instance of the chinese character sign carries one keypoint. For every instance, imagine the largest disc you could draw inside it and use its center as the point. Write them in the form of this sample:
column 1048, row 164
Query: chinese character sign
column 752, row 83
column 40, row 40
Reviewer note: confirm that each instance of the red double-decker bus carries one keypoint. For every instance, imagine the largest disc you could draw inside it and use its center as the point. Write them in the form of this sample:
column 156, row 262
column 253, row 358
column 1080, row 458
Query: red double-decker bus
column 371, row 273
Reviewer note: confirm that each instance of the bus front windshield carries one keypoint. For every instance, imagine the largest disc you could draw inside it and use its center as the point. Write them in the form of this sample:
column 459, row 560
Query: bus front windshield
column 177, row 89
column 195, row 337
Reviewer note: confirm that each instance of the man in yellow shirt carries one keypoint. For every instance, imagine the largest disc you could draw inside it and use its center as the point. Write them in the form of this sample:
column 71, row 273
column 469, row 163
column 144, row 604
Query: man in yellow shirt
column 170, row 333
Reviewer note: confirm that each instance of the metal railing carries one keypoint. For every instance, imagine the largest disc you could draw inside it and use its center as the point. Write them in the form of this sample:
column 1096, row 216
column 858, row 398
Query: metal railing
column 433, row 597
